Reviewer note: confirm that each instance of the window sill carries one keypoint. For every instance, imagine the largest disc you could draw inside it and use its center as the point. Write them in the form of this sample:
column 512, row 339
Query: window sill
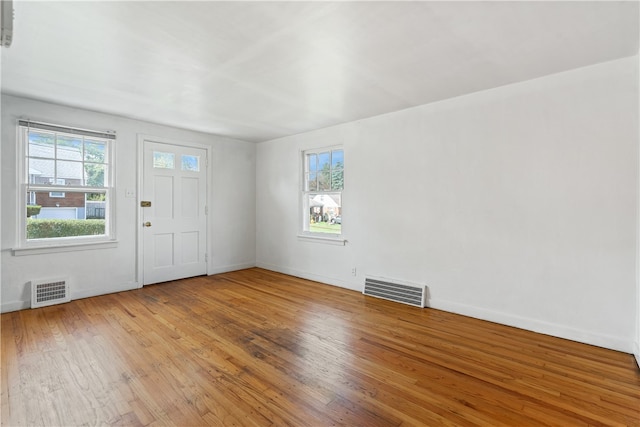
column 37, row 250
column 321, row 239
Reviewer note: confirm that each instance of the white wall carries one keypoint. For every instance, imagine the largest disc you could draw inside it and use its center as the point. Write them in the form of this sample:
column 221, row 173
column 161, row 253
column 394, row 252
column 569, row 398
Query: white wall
column 100, row 271
column 516, row 205
column 1, row 198
column 636, row 350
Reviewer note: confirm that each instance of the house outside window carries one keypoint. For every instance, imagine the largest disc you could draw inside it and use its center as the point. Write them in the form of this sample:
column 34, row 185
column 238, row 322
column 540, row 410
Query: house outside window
column 57, row 194
column 323, row 182
column 67, row 180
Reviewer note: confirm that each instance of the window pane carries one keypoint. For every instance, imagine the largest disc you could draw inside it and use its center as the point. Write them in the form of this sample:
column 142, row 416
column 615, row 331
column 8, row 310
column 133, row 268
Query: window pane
column 74, row 215
column 94, row 174
column 324, row 180
column 96, row 206
column 41, row 171
column 191, row 163
column 71, row 172
column 69, row 148
column 312, row 160
column 41, row 145
column 324, row 161
column 325, row 213
column 163, row 160
column 337, row 179
column 95, row 151
column 337, row 159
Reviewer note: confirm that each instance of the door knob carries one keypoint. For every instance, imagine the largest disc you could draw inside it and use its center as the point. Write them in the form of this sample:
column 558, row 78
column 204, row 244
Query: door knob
column 147, row 224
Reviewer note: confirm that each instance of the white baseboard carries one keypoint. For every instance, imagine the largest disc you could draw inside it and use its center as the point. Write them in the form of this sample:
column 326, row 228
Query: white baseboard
column 311, row 276
column 228, row 268
column 579, row 335
column 15, row 306
column 94, row 292
column 587, row 337
column 607, row 341
column 85, row 293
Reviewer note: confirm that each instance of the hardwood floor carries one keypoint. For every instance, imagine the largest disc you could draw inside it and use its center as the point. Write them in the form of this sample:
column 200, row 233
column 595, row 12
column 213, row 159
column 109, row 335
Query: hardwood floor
column 259, row 348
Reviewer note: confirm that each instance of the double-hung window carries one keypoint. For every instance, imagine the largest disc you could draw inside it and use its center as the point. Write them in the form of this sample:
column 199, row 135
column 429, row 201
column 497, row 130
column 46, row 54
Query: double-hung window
column 67, row 192
column 323, row 182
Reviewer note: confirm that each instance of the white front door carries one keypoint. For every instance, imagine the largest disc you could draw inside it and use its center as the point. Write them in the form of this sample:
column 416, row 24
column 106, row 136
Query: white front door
column 174, row 225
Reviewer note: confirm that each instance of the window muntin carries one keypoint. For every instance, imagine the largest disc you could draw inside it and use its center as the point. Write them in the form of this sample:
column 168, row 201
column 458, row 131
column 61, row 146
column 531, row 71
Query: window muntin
column 323, row 182
column 67, row 181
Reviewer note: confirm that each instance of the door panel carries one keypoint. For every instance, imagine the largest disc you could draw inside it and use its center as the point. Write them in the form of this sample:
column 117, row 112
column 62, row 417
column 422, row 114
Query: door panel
column 163, row 245
column 174, row 226
column 163, row 198
column 190, row 197
column 190, row 243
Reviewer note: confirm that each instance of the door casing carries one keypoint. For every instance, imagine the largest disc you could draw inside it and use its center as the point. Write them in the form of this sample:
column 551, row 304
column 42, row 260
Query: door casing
column 142, row 138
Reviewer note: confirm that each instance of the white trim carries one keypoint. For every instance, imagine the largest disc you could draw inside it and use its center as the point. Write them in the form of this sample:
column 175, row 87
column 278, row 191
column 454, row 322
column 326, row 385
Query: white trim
column 139, row 185
column 87, row 293
column 21, row 169
column 69, row 188
column 612, row 342
column 142, row 138
column 52, row 245
column 37, row 250
column 66, row 130
column 94, row 292
column 324, row 149
column 320, row 239
column 333, row 281
column 232, row 267
column 304, row 193
column 14, row 306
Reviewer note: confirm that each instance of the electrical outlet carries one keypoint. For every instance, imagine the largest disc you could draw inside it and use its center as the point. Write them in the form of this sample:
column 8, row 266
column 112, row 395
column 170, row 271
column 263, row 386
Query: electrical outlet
column 353, row 271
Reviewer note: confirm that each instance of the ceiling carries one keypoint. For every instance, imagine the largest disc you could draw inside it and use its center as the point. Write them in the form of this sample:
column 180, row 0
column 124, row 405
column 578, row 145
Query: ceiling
column 262, row 70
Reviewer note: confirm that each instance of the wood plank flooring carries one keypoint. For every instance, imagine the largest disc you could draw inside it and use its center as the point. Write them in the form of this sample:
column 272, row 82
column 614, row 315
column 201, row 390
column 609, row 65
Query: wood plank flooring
column 257, row 348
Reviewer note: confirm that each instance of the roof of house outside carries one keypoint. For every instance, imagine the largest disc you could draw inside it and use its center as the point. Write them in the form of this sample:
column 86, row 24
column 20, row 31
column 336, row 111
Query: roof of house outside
column 42, row 162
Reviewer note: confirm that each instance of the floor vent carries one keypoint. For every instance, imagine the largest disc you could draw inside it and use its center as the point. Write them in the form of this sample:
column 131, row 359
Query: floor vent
column 49, row 292
column 398, row 292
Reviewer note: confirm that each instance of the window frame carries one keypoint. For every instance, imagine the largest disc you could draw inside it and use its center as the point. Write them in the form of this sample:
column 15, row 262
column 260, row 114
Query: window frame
column 304, row 207
column 25, row 188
